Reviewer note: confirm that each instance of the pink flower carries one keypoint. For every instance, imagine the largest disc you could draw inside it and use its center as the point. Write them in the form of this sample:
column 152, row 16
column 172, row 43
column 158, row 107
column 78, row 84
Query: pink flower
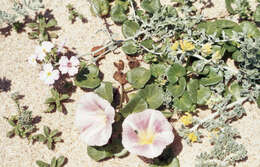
column 94, row 117
column 147, row 133
column 69, row 66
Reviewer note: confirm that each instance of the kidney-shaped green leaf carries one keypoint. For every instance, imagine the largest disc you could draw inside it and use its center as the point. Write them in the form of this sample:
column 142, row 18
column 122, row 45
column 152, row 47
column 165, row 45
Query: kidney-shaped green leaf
column 105, row 90
column 175, row 71
column 203, row 95
column 130, row 28
column 136, row 104
column 151, row 6
column 177, row 89
column 153, row 94
column 138, row 77
column 129, row 47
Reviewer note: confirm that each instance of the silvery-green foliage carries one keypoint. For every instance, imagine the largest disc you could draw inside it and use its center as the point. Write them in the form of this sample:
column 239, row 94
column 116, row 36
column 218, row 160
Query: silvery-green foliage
column 20, row 8
column 226, row 151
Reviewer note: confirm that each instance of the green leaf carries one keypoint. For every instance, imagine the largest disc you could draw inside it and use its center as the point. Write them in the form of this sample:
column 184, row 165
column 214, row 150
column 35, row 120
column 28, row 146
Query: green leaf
column 129, row 47
column 100, row 7
column 64, row 97
column 51, row 23
column 213, row 78
column 157, row 69
column 118, row 14
column 136, row 104
column 54, row 133
column 11, row 122
column 203, row 95
column 192, row 87
column 46, row 130
column 166, row 159
column 130, row 28
column 10, row 134
column 138, row 77
column 167, row 114
column 42, row 164
column 151, row 6
column 235, row 90
column 250, row 29
column 32, row 25
column 148, row 43
column 53, row 162
column 98, row 154
column 237, row 56
column 175, row 71
column 184, row 103
column 257, row 14
column 50, row 100
column 153, row 95
column 87, row 77
column 105, row 90
column 60, row 161
column 177, row 90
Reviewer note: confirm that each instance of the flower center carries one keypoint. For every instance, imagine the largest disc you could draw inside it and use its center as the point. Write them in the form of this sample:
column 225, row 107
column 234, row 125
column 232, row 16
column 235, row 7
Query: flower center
column 69, row 64
column 146, row 137
column 49, row 74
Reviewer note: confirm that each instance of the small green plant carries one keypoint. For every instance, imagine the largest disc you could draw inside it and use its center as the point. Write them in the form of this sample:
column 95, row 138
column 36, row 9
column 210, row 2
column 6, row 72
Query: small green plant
column 55, row 102
column 41, row 28
column 48, row 137
column 55, row 162
column 73, row 14
column 22, row 122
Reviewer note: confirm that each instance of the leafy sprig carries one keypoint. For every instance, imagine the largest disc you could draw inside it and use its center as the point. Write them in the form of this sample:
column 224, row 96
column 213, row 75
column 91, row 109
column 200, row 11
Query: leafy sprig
column 48, row 137
column 55, row 162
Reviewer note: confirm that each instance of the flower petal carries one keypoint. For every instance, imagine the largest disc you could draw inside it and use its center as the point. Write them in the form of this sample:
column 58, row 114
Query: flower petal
column 55, row 74
column 47, row 46
column 47, row 67
column 74, row 61
column 72, row 71
column 63, row 61
column 146, row 133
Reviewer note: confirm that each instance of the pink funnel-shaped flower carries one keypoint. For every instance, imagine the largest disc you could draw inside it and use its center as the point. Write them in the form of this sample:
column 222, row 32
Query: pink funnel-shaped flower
column 94, row 117
column 147, row 133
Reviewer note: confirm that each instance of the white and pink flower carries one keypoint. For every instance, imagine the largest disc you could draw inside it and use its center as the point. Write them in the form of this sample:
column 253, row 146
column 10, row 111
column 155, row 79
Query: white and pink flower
column 147, row 133
column 42, row 50
column 48, row 75
column 94, row 118
column 69, row 66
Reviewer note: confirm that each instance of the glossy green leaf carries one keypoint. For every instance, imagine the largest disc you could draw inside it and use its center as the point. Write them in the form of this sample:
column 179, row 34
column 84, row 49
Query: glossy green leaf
column 136, row 104
column 184, row 103
column 203, row 95
column 105, row 90
column 130, row 28
column 157, row 69
column 129, row 48
column 153, row 95
column 151, row 6
column 148, row 43
column 166, row 159
column 138, row 77
column 192, row 87
column 100, row 7
column 178, row 89
column 87, row 77
column 118, row 14
column 175, row 71
column 213, row 78
column 107, row 151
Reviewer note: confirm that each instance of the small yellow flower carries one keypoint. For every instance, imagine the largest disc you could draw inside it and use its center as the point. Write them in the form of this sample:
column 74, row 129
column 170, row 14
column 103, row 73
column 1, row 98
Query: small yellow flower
column 206, row 48
column 186, row 45
column 175, row 45
column 192, row 137
column 186, row 119
column 216, row 56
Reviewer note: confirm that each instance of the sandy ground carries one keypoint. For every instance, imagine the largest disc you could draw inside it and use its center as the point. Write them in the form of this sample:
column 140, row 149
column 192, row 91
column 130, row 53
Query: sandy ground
column 14, row 51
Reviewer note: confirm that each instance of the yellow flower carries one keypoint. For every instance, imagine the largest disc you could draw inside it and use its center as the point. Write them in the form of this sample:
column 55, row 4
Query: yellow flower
column 216, row 56
column 186, row 119
column 175, row 45
column 192, row 137
column 206, row 48
column 186, row 45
